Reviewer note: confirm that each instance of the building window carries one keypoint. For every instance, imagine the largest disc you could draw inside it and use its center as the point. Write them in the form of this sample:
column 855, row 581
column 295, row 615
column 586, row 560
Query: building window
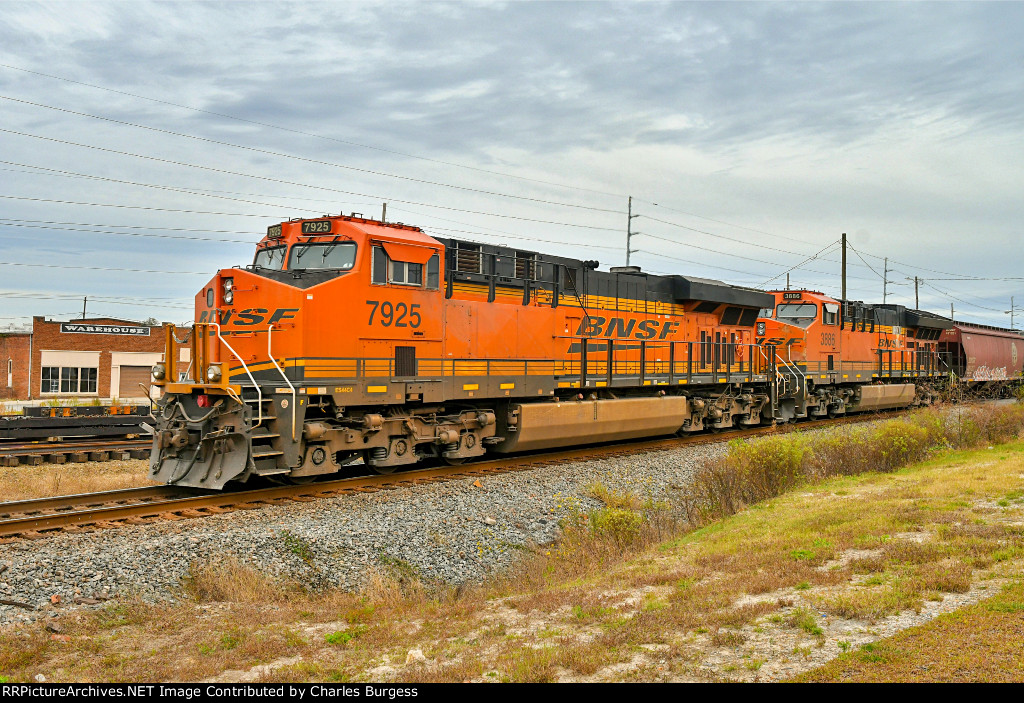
column 68, row 379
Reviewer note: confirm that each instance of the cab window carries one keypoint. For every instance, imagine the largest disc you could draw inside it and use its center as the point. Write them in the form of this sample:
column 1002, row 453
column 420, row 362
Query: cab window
column 328, row 255
column 830, row 313
column 801, row 314
column 270, row 258
column 404, row 273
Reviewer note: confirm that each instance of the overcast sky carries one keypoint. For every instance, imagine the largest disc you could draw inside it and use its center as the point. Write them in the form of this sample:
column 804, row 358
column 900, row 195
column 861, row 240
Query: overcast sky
column 749, row 135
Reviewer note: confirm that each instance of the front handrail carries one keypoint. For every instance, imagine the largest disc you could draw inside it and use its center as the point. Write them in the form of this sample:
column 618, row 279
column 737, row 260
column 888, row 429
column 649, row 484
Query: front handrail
column 245, row 367
column 793, row 368
column 270, row 329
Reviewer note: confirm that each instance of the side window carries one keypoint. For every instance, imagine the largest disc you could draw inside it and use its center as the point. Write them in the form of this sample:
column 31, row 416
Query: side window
column 434, row 272
column 380, row 266
column 829, row 313
column 403, row 273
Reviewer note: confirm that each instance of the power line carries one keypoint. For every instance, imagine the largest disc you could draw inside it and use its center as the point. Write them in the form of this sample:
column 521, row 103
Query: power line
column 722, row 236
column 162, row 229
column 810, row 258
column 692, row 262
column 442, row 230
column 729, row 224
column 131, row 234
column 960, row 300
column 306, row 159
column 294, row 183
column 103, row 268
column 312, row 134
column 137, row 207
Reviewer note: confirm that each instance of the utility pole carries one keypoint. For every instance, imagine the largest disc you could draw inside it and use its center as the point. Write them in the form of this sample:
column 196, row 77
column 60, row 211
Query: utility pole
column 1011, row 312
column 787, row 281
column 951, row 312
column 84, row 299
column 885, row 281
column 384, row 213
column 629, row 229
column 844, row 267
column 917, row 302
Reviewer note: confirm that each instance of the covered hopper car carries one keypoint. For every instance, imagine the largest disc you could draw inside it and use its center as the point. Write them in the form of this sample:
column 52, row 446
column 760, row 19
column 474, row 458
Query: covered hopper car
column 980, row 354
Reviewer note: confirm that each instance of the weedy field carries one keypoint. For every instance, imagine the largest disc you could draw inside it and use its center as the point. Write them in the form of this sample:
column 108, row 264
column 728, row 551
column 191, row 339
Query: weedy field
column 891, row 552
column 28, row 482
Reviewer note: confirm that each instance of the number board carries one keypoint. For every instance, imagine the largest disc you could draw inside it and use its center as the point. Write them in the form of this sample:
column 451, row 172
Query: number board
column 791, row 296
column 317, row 227
column 274, row 232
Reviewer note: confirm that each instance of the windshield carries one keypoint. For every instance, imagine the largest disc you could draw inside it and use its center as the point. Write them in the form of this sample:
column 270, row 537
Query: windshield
column 766, row 312
column 801, row 314
column 270, row 258
column 332, row 255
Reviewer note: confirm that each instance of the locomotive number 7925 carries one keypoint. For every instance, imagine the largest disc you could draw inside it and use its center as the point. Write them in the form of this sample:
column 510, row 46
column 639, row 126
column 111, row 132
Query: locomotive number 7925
column 397, row 315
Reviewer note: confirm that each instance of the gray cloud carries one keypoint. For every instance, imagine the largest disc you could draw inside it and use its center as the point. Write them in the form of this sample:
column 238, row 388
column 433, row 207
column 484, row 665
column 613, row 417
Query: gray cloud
column 899, row 122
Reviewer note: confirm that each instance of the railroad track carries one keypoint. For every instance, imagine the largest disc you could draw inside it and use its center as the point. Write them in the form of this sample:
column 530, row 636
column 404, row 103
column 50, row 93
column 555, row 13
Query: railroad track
column 35, row 453
column 40, row 518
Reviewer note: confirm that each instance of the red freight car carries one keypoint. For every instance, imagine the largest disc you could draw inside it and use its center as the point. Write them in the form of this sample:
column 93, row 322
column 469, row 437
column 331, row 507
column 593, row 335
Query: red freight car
column 980, row 353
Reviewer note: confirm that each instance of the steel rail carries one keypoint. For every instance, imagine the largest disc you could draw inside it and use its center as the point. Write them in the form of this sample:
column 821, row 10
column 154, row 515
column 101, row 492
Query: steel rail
column 155, row 502
column 34, row 506
column 67, row 447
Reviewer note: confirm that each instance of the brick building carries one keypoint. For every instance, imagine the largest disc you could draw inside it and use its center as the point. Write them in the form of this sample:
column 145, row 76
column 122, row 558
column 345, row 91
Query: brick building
column 90, row 358
column 14, row 351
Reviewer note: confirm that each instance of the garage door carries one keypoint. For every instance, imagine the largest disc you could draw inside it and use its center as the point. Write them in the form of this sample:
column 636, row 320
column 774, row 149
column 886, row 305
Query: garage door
column 131, row 377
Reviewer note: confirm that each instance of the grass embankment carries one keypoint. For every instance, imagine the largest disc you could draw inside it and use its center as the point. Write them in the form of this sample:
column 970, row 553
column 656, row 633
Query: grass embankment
column 804, row 552
column 981, row 642
column 27, row 482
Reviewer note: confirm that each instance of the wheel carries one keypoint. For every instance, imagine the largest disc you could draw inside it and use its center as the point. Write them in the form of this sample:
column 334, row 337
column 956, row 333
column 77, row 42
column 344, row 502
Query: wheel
column 300, row 480
column 454, row 462
column 383, row 470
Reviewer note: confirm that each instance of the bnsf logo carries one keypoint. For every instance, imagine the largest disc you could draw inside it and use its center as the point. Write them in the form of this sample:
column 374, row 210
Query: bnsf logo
column 595, row 326
column 249, row 317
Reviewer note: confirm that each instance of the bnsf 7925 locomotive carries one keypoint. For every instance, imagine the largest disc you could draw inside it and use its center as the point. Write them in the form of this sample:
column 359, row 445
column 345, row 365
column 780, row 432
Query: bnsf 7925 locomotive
column 352, row 339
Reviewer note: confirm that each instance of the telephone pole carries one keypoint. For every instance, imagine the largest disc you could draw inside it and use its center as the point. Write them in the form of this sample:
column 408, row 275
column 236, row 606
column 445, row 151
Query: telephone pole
column 1011, row 312
column 885, row 281
column 84, row 300
column 787, row 281
column 843, row 297
column 917, row 303
column 951, row 311
column 629, row 229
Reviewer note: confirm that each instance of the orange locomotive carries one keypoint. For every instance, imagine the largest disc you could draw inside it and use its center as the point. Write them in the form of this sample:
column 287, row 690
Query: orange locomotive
column 350, row 339
column 834, row 357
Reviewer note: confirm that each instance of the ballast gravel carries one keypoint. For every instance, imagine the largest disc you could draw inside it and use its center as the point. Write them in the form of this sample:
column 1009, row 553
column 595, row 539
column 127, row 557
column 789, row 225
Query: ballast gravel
column 457, row 531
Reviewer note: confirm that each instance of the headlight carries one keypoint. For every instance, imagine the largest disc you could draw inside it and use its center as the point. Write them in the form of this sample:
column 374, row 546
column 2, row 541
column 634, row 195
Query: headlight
column 159, row 371
column 213, row 374
column 229, row 290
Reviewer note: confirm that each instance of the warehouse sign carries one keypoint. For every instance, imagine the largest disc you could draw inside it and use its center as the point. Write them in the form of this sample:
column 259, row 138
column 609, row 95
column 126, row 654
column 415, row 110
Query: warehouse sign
column 75, row 328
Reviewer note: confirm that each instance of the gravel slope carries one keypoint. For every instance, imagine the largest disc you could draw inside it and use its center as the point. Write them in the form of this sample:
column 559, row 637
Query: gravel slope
column 453, row 531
